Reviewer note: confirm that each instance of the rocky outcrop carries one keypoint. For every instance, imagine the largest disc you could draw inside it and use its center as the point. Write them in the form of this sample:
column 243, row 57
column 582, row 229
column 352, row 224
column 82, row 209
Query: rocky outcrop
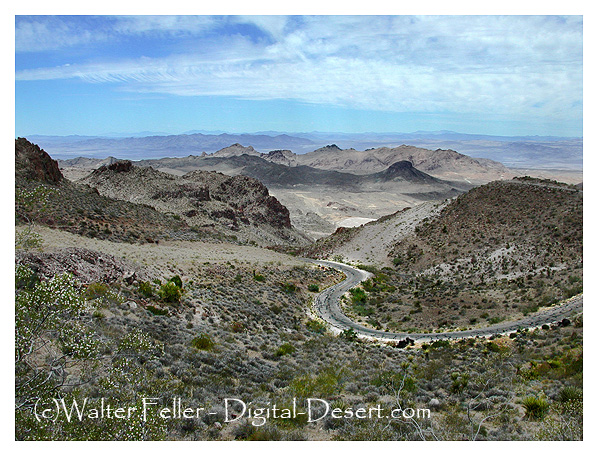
column 201, row 199
column 236, row 150
column 35, row 164
column 86, row 265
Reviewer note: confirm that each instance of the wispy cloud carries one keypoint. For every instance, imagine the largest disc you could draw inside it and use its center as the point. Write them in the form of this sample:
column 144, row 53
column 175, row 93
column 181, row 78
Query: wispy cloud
column 476, row 64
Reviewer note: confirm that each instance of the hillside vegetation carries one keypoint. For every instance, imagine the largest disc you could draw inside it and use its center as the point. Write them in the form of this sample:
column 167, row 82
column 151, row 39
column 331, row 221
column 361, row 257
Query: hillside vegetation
column 116, row 301
column 498, row 252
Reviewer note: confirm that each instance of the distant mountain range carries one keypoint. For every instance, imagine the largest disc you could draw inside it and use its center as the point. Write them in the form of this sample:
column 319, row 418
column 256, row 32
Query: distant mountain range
column 329, row 185
column 330, row 166
column 513, row 151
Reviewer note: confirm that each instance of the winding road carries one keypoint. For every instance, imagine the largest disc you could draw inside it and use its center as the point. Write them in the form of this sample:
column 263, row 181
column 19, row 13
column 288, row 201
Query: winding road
column 327, row 305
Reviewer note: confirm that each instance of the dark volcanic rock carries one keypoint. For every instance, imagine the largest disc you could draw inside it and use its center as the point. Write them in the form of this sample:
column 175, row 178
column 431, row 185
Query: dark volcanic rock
column 34, row 163
column 120, row 166
column 252, row 197
column 403, row 170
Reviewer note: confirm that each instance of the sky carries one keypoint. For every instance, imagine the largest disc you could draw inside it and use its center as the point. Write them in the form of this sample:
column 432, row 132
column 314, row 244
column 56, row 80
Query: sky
column 496, row 75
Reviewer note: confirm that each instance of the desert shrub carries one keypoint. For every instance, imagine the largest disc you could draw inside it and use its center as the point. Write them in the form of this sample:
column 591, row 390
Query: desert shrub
column 285, row 349
column 570, row 393
column 316, row 326
column 288, row 287
column 96, row 290
column 349, row 334
column 326, row 383
column 170, row 292
column 145, row 289
column 358, row 296
column 392, row 381
column 459, row 381
column 157, row 311
column 441, row 344
column 202, row 342
column 177, row 280
column 313, row 288
column 47, row 313
column 564, row 422
column 259, row 277
column 535, row 407
column 571, row 291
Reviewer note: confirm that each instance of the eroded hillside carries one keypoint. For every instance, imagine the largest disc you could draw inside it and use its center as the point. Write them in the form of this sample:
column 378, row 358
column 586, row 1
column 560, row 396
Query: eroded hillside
column 239, row 206
column 498, row 252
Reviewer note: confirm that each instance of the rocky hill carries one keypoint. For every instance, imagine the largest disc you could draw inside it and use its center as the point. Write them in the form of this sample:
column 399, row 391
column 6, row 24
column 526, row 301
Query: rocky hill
column 45, row 197
column 497, row 252
column 236, row 205
column 33, row 163
column 371, row 243
column 522, row 226
column 279, row 175
column 121, row 202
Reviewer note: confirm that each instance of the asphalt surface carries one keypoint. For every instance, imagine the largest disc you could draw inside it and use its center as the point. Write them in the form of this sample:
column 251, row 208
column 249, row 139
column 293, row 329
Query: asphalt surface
column 327, row 305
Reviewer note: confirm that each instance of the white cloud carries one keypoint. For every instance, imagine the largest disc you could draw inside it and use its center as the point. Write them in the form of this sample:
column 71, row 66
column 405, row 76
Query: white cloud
column 528, row 65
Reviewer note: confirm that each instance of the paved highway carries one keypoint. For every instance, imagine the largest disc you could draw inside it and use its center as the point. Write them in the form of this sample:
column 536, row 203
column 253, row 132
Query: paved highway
column 327, row 305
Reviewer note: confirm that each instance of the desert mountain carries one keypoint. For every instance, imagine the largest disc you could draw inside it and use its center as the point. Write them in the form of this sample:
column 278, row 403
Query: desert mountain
column 517, row 227
column 81, row 210
column 276, row 174
column 127, row 203
column 444, row 164
column 236, row 150
column 525, row 224
column 165, row 145
column 319, row 199
column 237, row 205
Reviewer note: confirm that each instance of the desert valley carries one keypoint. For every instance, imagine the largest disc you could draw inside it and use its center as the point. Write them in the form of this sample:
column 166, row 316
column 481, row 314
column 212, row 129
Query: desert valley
column 199, row 275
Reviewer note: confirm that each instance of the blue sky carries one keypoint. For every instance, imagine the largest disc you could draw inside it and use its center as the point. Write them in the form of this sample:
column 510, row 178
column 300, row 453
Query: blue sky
column 501, row 75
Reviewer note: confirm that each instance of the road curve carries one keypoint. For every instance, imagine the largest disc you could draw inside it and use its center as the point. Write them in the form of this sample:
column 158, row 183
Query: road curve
column 327, row 306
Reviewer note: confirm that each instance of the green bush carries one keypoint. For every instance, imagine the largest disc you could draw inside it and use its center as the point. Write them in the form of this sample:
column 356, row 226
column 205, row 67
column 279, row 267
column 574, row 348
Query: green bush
column 570, row 393
column 96, row 290
column 349, row 334
column 288, row 288
column 285, row 349
column 328, row 382
column 441, row 344
column 358, row 296
column 177, row 280
column 157, row 311
column 316, row 326
column 170, row 292
column 145, row 289
column 202, row 342
column 313, row 288
column 535, row 407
